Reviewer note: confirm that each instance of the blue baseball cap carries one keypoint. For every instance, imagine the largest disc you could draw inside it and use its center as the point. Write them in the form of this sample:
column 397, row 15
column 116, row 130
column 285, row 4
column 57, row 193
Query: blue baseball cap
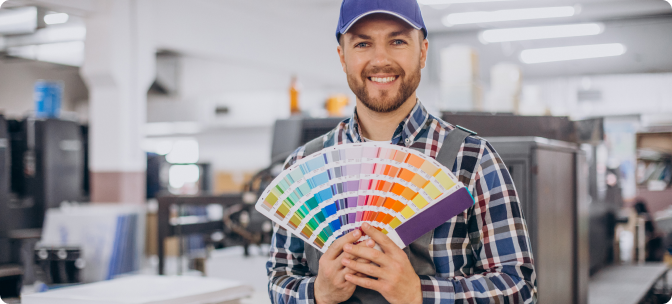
column 353, row 10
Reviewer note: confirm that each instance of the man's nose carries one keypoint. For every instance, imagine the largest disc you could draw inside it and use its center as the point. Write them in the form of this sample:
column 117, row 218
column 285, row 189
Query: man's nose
column 381, row 57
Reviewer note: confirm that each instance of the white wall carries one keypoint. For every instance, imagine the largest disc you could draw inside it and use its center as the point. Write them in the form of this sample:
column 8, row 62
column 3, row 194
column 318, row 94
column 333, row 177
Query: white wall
column 647, row 94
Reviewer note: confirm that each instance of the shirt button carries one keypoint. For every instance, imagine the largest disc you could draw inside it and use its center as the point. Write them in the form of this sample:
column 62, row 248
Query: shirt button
column 408, row 141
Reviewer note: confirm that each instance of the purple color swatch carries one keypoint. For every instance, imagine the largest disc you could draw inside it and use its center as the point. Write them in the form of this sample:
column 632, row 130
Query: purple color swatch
column 434, row 216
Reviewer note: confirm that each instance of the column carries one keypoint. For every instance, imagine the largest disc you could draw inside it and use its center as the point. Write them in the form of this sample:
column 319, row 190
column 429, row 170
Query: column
column 119, row 67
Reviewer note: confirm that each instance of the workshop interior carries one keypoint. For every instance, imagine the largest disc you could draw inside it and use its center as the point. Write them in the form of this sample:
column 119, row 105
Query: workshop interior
column 136, row 137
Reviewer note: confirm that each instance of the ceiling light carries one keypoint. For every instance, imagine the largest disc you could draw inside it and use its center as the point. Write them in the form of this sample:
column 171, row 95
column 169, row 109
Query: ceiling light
column 66, row 53
column 57, row 18
column 1, row 2
column 22, row 20
column 508, row 15
column 572, row 53
column 441, row 2
column 541, row 32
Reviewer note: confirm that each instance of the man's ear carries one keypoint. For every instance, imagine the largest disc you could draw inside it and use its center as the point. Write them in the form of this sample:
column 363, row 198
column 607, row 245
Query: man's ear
column 424, row 47
column 341, row 56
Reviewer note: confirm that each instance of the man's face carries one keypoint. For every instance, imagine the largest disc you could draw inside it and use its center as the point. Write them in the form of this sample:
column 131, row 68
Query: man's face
column 382, row 57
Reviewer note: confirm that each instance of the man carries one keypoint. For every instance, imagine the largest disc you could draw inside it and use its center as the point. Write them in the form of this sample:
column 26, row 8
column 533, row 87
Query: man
column 480, row 256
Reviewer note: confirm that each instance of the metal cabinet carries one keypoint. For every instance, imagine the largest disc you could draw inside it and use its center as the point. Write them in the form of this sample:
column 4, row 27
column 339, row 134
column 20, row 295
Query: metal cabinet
column 550, row 178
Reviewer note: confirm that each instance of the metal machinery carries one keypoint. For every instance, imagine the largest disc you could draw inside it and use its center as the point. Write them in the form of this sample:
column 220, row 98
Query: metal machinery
column 289, row 134
column 47, row 167
column 41, row 165
column 551, row 180
column 11, row 272
column 571, row 226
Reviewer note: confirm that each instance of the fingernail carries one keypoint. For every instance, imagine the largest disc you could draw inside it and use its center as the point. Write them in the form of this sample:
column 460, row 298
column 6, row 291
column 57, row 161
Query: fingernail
column 370, row 243
column 348, row 277
column 356, row 233
column 346, row 261
column 366, row 226
column 347, row 247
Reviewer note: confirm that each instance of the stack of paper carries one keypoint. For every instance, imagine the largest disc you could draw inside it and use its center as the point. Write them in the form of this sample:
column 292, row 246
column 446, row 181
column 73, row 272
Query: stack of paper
column 147, row 290
column 111, row 237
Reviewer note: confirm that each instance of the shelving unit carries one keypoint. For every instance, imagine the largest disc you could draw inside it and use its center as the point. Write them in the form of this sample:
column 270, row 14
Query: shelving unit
column 658, row 195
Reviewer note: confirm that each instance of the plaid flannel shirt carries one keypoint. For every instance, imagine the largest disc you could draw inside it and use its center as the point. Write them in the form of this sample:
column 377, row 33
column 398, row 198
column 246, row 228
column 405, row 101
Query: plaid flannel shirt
column 481, row 256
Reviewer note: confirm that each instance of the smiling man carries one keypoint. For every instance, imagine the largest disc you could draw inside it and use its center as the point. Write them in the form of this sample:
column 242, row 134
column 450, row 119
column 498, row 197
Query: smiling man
column 480, row 256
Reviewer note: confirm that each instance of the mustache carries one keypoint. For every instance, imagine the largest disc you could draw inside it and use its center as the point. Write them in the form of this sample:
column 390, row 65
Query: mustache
column 382, row 70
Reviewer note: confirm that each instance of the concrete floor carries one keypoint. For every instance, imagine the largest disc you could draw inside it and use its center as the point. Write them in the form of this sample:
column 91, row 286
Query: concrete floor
column 230, row 263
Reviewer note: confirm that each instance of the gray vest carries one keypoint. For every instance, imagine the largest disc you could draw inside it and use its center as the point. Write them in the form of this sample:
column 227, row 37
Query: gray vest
column 418, row 251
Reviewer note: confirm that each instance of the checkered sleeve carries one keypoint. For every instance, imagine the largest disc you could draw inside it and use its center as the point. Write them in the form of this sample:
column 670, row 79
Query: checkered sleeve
column 289, row 279
column 503, row 267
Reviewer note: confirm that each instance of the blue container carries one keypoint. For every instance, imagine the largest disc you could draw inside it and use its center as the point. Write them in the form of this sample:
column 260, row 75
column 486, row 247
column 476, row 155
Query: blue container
column 48, row 96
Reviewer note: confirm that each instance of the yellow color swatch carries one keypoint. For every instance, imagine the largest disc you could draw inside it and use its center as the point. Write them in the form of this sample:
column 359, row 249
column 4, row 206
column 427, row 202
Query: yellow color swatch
column 419, row 201
column 395, row 223
column 432, row 190
column 418, row 181
column 284, row 209
column 407, row 212
column 384, row 231
column 444, row 180
column 429, row 168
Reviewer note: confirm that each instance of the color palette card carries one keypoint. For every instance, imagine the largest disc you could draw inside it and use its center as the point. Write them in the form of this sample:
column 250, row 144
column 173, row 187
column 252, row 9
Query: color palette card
column 401, row 192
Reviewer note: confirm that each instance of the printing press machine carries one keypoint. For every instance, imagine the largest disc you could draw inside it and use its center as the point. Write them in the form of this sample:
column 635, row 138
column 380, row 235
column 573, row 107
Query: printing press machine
column 41, row 165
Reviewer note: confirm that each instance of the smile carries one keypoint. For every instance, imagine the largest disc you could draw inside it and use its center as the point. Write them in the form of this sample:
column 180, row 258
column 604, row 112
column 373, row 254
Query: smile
column 383, row 80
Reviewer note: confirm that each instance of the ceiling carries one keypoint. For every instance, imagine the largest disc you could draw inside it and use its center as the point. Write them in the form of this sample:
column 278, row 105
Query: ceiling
column 306, row 28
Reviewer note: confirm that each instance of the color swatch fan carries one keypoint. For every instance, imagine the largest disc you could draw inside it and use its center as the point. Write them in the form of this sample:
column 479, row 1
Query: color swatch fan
column 401, row 192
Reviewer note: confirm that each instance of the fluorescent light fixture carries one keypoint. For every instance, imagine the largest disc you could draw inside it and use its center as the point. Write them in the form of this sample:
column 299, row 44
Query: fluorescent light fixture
column 541, row 32
column 22, row 20
column 508, row 15
column 66, row 53
column 1, row 2
column 57, row 18
column 572, row 53
column 442, row 2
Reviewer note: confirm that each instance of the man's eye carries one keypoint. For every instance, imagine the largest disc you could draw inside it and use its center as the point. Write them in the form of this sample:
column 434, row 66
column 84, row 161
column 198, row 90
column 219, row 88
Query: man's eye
column 360, row 45
column 398, row 42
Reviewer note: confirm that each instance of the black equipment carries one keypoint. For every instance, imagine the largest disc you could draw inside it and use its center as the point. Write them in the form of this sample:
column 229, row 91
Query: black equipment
column 289, row 134
column 42, row 164
column 157, row 175
column 47, row 167
column 59, row 265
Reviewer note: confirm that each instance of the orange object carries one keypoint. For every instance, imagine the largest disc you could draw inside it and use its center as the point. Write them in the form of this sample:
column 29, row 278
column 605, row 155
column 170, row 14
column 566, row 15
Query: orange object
column 336, row 103
column 294, row 97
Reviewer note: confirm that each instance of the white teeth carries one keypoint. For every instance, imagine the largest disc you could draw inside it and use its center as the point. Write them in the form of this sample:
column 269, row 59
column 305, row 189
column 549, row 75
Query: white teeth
column 383, row 80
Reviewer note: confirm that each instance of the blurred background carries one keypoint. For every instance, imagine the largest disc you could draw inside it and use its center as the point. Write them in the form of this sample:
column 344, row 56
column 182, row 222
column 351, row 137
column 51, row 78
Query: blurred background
column 136, row 135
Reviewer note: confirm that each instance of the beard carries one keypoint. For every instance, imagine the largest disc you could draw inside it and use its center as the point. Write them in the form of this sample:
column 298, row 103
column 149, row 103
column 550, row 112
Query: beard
column 387, row 101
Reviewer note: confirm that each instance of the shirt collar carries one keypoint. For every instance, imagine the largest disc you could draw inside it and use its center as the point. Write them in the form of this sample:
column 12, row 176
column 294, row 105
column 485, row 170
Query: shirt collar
column 406, row 132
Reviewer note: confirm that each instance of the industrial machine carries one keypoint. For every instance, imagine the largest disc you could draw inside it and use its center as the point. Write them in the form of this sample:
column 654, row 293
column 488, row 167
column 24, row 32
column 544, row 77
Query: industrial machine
column 41, row 165
column 551, row 181
column 47, row 167
column 289, row 134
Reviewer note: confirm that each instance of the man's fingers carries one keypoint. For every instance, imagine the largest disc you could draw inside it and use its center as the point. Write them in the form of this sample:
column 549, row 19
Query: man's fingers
column 352, row 257
column 383, row 240
column 365, row 268
column 337, row 246
column 370, row 254
column 364, row 282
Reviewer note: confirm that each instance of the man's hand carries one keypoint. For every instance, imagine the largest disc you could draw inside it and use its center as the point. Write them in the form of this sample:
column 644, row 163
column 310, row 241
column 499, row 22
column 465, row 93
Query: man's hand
column 397, row 280
column 330, row 284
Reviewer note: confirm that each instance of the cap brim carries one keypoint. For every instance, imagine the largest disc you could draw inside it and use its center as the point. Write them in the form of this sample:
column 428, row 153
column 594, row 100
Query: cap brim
column 353, row 21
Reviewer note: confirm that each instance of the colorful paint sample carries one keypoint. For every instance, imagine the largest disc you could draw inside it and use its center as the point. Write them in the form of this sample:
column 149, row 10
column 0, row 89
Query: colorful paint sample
column 400, row 191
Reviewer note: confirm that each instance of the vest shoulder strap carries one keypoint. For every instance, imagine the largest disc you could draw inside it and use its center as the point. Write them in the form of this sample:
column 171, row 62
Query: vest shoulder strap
column 451, row 146
column 314, row 145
